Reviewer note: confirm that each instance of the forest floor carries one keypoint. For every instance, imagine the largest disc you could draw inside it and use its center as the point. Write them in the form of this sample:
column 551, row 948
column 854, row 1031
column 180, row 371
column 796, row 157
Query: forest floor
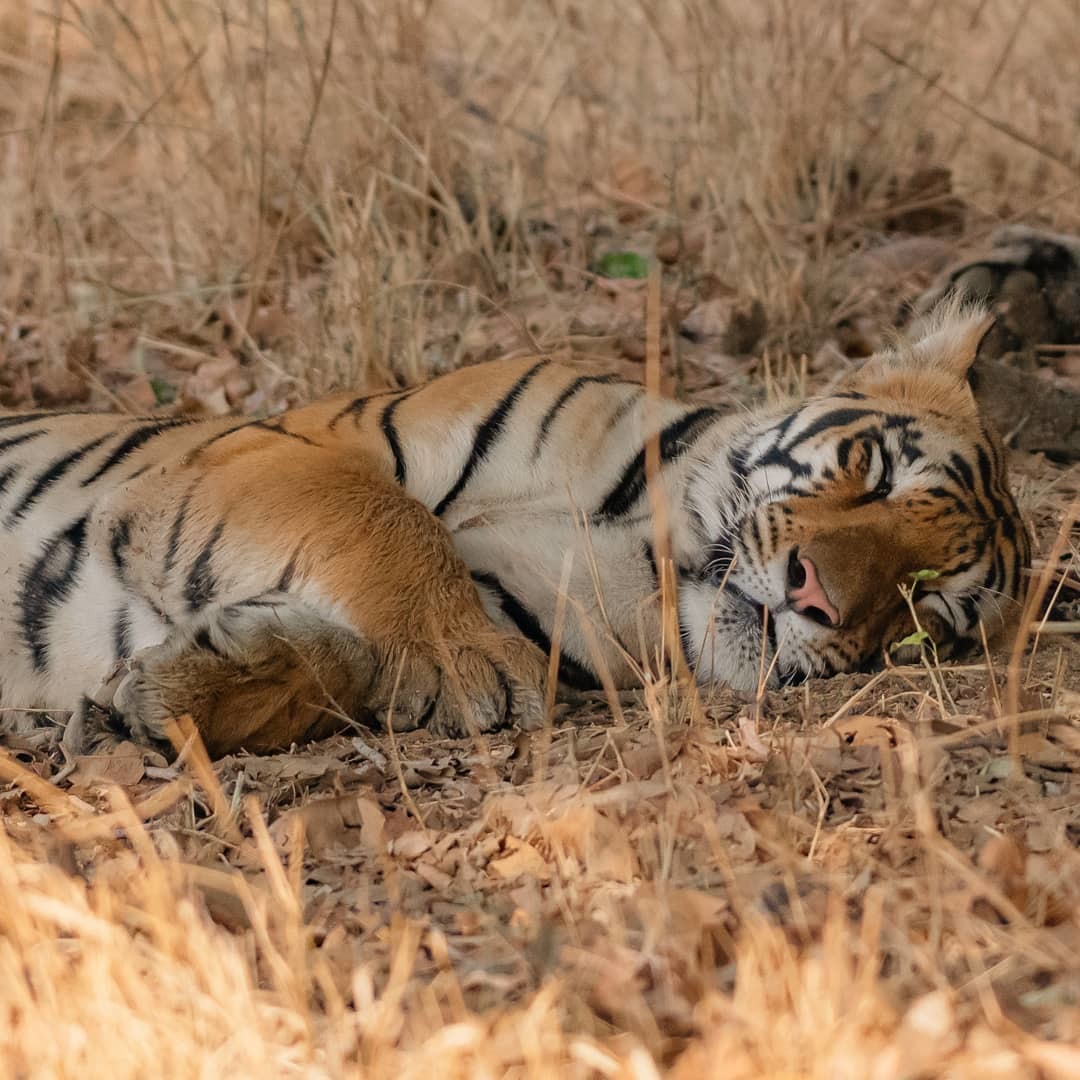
column 234, row 207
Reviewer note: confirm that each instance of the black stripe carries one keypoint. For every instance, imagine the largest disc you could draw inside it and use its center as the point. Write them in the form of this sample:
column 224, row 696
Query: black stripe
column 843, row 451
column 778, row 433
column 625, row 406
column 122, row 633
column 278, row 428
column 777, row 455
column 571, row 672
column 995, row 579
column 54, row 472
column 176, row 533
column 943, row 494
column 994, row 492
column 386, row 423
column 138, row 438
column 26, row 418
column 893, row 421
column 201, row 584
column 560, row 403
column 486, row 434
column 739, row 464
column 18, row 440
column 193, row 454
column 755, row 530
column 7, row 476
column 971, row 609
column 650, row 558
column 47, row 584
column 675, row 440
column 837, row 418
column 1016, row 565
column 119, row 541
column 962, row 473
column 356, row 407
column 288, row 573
column 204, row 641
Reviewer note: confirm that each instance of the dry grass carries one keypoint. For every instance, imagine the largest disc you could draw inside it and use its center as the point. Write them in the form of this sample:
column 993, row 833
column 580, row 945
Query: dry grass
column 241, row 205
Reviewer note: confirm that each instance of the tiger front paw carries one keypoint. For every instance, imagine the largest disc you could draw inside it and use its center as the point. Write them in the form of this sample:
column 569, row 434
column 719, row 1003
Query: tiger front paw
column 463, row 687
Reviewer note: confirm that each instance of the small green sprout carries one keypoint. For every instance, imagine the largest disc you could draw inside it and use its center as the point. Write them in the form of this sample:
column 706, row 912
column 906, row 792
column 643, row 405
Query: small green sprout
column 164, row 392
column 924, row 575
column 623, row 264
column 917, row 637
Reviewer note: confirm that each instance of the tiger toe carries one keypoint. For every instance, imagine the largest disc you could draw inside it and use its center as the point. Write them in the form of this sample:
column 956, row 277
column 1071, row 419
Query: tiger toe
column 489, row 685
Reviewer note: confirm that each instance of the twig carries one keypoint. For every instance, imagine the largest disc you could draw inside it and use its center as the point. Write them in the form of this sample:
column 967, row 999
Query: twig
column 406, row 795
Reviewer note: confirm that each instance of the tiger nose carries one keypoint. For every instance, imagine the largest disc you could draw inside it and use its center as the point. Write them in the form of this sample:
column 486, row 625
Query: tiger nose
column 806, row 593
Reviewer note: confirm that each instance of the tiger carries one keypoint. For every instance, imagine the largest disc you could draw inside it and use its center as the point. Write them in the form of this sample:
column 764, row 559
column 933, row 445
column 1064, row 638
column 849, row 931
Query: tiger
column 434, row 555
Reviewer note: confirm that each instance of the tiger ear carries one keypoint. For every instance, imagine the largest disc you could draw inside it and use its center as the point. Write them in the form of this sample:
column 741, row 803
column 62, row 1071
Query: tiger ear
column 938, row 352
column 947, row 340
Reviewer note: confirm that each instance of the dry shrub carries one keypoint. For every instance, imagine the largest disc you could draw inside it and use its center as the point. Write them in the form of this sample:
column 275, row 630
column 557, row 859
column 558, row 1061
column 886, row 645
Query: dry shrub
column 348, row 188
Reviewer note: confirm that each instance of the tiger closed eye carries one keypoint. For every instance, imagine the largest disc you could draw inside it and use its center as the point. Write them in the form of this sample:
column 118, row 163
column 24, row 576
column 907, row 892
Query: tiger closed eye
column 875, row 466
column 885, row 479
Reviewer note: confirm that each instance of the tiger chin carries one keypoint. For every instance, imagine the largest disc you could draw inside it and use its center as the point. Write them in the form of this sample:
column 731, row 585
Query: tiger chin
column 408, row 557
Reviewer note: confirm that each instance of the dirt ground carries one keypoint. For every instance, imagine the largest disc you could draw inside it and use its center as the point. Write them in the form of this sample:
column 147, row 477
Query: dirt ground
column 233, row 207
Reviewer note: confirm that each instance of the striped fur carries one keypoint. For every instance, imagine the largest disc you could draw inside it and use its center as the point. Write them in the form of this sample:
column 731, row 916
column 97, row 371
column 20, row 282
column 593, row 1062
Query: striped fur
column 399, row 553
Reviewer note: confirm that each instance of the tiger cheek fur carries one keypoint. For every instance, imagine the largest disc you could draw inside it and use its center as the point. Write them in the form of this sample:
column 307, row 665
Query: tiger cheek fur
column 865, row 566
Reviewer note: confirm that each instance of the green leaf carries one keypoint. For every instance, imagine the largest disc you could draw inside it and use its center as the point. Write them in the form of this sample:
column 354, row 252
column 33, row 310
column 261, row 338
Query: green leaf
column 623, row 264
column 164, row 392
column 925, row 575
column 915, row 638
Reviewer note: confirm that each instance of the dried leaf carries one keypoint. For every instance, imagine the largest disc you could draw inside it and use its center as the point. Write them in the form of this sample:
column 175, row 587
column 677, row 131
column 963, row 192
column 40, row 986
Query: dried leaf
column 122, row 765
column 351, row 821
column 412, row 844
column 756, row 750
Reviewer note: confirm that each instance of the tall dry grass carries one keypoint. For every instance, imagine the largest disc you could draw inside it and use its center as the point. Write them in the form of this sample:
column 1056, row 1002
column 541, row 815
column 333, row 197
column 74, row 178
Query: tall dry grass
column 373, row 169
column 355, row 190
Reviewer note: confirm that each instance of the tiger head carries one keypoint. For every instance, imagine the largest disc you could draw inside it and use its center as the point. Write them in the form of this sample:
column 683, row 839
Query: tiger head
column 815, row 521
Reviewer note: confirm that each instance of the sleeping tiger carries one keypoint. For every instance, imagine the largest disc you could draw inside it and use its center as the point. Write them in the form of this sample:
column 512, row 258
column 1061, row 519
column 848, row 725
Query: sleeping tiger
column 410, row 556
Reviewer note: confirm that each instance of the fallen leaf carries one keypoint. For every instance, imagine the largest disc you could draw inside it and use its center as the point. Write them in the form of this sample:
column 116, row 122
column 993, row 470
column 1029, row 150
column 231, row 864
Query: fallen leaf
column 756, row 750
column 122, row 765
column 412, row 844
column 352, row 821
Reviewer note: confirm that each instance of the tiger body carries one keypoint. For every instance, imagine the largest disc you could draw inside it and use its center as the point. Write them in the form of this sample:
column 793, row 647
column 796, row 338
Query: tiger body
column 414, row 553
column 145, row 539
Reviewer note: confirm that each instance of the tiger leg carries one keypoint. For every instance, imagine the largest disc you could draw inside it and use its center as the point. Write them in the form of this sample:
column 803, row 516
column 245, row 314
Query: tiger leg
column 348, row 549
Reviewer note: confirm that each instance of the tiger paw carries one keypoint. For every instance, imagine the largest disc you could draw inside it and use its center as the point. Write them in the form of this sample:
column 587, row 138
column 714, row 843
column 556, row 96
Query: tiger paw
column 460, row 688
column 258, row 676
column 1030, row 278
